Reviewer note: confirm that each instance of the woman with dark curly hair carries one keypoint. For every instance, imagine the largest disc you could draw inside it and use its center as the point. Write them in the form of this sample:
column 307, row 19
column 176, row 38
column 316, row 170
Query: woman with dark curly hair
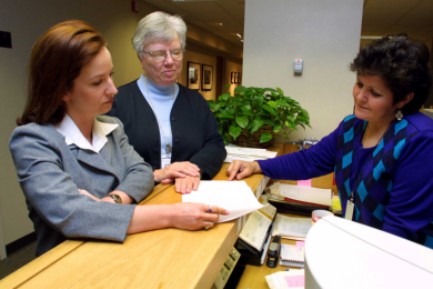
column 382, row 154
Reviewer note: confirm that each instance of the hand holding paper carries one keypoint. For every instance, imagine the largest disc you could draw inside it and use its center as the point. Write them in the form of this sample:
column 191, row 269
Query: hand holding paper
column 234, row 196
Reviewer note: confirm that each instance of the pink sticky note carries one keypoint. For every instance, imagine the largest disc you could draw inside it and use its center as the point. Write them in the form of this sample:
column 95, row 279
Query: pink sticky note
column 305, row 183
column 295, row 281
column 299, row 244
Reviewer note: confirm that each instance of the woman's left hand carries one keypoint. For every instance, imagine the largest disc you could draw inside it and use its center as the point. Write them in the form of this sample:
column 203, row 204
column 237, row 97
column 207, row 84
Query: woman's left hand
column 176, row 170
column 187, row 184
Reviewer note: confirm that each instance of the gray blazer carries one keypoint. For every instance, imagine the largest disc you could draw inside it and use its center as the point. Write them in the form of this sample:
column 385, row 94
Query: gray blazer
column 51, row 172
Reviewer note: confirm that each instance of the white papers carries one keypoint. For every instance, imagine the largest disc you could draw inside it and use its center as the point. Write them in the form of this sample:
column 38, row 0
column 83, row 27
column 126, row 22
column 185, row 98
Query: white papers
column 295, row 228
column 302, row 193
column 293, row 279
column 247, row 154
column 234, row 196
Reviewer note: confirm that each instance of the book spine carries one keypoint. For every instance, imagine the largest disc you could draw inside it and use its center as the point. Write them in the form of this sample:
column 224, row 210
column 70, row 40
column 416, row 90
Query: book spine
column 292, row 263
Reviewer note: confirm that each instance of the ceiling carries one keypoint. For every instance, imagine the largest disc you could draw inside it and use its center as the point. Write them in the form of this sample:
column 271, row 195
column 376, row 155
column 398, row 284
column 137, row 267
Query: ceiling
column 414, row 17
column 225, row 18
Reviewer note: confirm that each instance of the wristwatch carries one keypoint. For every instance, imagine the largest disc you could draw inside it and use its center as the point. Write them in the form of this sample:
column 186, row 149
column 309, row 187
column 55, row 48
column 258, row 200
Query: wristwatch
column 116, row 198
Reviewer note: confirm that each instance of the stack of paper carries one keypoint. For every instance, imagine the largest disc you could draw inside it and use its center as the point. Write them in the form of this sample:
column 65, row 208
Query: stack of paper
column 247, row 154
column 295, row 228
column 293, row 279
column 299, row 199
column 234, row 196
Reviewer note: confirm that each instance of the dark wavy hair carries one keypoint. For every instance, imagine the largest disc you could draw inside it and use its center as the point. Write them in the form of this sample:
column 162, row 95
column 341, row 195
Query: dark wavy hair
column 402, row 63
column 56, row 61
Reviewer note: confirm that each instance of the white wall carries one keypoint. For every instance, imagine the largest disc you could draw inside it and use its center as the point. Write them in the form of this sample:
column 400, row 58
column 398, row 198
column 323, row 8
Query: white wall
column 325, row 34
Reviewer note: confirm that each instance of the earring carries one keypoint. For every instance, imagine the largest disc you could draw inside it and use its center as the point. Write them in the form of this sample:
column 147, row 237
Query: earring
column 398, row 115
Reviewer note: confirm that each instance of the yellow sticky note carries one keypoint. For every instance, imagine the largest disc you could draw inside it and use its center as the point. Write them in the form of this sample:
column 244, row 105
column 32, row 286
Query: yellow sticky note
column 336, row 205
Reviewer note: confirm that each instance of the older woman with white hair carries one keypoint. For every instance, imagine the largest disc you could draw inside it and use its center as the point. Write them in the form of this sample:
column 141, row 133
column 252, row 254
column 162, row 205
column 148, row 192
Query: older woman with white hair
column 169, row 125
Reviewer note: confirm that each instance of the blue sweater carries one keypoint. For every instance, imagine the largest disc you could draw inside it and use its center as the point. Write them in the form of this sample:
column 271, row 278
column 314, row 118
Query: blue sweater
column 160, row 99
column 408, row 207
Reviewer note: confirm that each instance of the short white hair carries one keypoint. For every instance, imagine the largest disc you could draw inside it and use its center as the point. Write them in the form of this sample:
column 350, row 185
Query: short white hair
column 158, row 26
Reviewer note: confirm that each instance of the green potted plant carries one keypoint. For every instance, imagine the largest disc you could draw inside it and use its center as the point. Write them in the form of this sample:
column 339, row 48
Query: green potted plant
column 254, row 115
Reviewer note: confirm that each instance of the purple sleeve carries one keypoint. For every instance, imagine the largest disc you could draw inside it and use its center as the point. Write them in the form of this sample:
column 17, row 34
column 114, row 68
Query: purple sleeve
column 409, row 209
column 313, row 162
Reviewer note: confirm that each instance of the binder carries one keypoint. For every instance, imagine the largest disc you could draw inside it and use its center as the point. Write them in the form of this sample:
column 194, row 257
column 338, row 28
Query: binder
column 255, row 236
column 286, row 207
column 292, row 263
column 292, row 255
column 249, row 254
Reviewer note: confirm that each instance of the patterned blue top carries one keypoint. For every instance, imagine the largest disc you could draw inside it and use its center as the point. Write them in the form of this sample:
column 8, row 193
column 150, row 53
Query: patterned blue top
column 392, row 182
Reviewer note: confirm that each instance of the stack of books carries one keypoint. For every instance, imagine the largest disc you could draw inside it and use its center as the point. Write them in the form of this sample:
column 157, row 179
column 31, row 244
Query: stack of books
column 299, row 199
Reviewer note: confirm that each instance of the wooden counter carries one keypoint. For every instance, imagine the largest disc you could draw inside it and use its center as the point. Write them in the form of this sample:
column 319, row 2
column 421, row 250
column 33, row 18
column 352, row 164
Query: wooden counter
column 168, row 258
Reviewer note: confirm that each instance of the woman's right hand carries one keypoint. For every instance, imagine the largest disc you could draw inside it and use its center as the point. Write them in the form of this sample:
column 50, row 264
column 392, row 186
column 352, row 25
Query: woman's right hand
column 241, row 169
column 186, row 216
column 194, row 216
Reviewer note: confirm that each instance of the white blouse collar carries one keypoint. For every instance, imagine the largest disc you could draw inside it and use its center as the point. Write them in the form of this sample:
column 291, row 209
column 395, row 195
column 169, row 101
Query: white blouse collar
column 73, row 135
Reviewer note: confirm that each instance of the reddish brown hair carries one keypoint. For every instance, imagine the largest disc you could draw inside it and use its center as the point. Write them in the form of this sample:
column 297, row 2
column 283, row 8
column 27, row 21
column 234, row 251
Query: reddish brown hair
column 56, row 61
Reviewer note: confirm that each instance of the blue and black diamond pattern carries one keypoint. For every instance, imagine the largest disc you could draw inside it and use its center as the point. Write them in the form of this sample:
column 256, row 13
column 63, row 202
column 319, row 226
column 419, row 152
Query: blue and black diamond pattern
column 371, row 188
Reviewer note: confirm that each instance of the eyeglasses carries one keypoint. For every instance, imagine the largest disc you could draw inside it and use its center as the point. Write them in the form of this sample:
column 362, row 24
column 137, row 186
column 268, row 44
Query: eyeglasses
column 160, row 55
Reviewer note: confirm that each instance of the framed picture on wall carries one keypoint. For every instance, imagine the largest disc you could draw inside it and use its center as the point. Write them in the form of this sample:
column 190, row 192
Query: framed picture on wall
column 232, row 77
column 194, row 75
column 235, row 77
column 206, row 80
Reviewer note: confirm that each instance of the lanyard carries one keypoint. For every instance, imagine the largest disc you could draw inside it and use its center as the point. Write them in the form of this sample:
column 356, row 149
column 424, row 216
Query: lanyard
column 164, row 130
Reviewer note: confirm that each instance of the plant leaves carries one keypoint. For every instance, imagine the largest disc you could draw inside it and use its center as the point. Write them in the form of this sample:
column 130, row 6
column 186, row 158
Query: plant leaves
column 251, row 108
column 265, row 137
column 225, row 114
column 242, row 121
column 269, row 109
column 224, row 97
column 256, row 124
column 234, row 131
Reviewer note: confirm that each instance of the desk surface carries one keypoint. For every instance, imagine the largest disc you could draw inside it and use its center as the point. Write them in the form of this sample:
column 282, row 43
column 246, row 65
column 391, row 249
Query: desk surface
column 168, row 258
column 254, row 276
